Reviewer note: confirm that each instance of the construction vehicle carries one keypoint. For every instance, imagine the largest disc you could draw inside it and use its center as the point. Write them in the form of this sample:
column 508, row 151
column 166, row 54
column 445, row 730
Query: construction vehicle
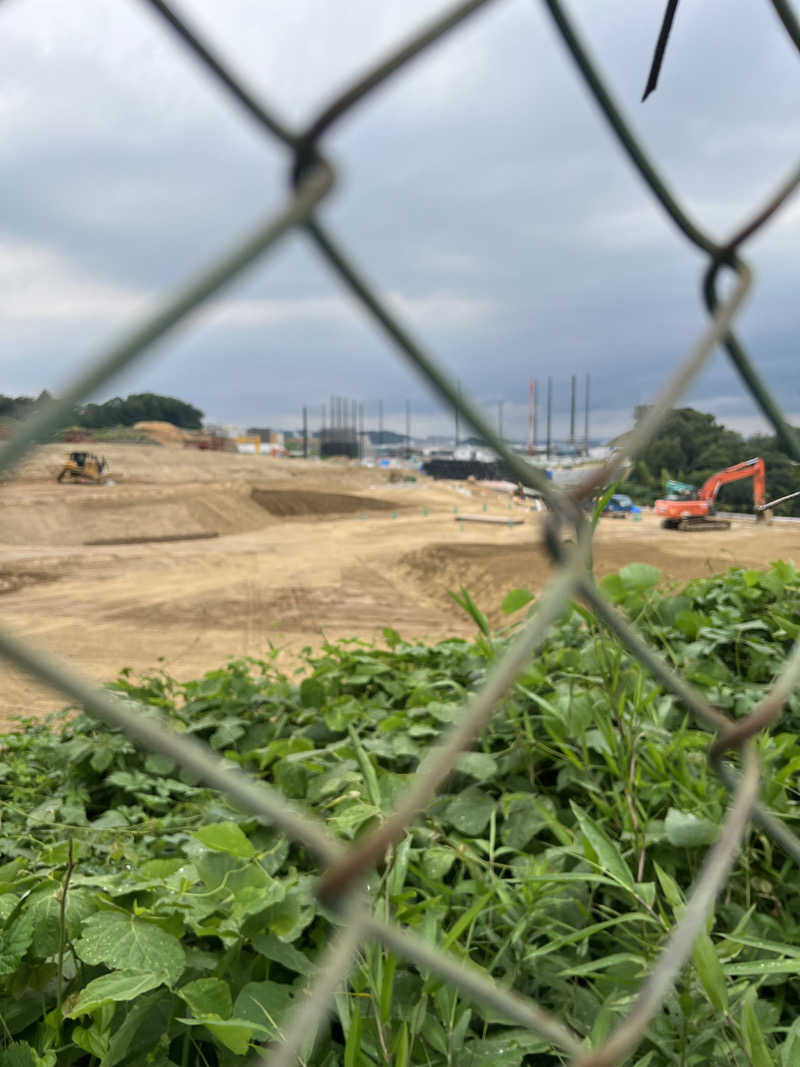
column 84, row 467
column 618, row 506
column 696, row 511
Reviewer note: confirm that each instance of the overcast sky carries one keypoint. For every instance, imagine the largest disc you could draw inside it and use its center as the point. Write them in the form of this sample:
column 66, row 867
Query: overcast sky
column 479, row 189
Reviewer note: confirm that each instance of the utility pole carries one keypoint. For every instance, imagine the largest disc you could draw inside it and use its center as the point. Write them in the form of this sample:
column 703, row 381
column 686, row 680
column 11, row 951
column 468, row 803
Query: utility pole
column 549, row 414
column 572, row 414
column 361, row 441
column 305, row 433
column 408, row 429
column 531, row 417
column 380, row 422
column 500, row 419
column 456, row 413
column 586, row 419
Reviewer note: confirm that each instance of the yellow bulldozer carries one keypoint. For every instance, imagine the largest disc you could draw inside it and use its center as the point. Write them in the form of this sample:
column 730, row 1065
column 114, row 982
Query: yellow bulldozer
column 84, row 467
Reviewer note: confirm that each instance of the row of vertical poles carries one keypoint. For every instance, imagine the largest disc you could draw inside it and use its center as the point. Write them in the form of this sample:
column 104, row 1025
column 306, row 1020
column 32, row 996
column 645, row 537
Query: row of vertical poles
column 343, row 427
column 533, row 413
column 347, row 422
column 339, row 435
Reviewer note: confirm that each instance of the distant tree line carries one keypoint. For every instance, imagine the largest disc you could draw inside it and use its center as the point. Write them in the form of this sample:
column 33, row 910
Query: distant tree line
column 690, row 445
column 138, row 407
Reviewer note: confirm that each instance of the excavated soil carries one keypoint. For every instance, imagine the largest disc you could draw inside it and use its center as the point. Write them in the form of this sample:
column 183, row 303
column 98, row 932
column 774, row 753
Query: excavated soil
column 305, row 553
column 289, row 503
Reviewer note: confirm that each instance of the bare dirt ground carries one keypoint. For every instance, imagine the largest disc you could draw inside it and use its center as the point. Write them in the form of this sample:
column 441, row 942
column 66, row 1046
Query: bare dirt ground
column 303, row 553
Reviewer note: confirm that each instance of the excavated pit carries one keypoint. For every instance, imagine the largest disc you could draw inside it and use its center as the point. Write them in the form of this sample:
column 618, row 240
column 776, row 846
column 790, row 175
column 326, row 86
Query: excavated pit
column 298, row 503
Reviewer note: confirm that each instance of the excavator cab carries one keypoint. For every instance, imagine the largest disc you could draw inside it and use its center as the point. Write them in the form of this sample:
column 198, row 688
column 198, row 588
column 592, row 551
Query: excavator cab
column 84, row 467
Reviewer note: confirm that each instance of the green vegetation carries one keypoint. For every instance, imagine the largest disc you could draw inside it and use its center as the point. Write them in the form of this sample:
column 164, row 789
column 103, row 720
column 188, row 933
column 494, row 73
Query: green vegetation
column 143, row 920
column 138, row 407
column 690, row 445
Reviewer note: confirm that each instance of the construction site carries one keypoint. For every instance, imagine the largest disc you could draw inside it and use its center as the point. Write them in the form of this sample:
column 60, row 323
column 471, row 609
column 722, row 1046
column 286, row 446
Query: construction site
column 182, row 558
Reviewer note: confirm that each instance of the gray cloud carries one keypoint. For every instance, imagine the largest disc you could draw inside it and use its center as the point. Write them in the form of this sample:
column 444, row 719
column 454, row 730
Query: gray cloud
column 479, row 189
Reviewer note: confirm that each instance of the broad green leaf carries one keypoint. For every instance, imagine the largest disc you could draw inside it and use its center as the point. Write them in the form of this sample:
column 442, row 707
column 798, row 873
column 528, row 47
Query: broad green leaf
column 158, row 764
column 640, row 576
column 470, row 811
column 507, row 1049
column 234, row 1034
column 92, row 1039
column 437, row 861
column 14, row 943
column 141, row 1030
column 686, row 829
column 613, row 588
column 312, row 693
column 263, row 1004
column 710, row 971
column 125, row 943
column 226, row 837
column 45, row 909
column 111, row 988
column 287, row 956
column 479, row 765
column 348, row 818
column 161, row 868
column 515, row 600
column 20, row 1054
column 208, row 996
column 290, row 916
column 608, row 855
column 691, row 623
column 522, row 819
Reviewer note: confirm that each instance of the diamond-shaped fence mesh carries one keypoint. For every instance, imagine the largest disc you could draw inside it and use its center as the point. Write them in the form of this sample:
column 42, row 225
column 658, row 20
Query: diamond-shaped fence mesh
column 343, row 869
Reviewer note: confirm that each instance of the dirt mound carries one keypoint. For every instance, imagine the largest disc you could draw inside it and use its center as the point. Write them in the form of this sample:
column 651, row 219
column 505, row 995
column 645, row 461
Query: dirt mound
column 288, row 503
column 165, row 433
column 489, row 571
column 81, row 514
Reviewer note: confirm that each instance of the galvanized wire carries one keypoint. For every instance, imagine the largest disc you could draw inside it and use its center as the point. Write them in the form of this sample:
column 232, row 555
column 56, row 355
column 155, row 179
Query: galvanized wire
column 342, row 868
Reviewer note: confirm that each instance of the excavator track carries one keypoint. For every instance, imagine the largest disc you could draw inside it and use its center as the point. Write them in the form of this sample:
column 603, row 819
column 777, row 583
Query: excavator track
column 700, row 523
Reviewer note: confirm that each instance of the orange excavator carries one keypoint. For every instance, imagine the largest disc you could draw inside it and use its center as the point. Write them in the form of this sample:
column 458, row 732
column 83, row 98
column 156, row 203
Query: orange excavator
column 696, row 511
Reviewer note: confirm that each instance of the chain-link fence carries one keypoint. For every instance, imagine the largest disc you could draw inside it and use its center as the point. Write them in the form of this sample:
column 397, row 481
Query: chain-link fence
column 344, row 869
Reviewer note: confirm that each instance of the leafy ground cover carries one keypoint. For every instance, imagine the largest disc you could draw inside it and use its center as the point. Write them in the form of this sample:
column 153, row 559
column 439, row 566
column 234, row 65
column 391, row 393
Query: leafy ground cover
column 143, row 920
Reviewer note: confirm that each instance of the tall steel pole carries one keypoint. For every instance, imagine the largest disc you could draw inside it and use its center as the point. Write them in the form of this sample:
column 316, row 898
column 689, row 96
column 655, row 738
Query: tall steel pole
column 549, row 414
column 305, row 433
column 572, row 413
column 586, row 419
column 408, row 429
column 531, row 417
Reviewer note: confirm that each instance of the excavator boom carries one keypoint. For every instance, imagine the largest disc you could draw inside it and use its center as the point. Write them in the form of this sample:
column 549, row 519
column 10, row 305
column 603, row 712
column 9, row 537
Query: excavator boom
column 751, row 468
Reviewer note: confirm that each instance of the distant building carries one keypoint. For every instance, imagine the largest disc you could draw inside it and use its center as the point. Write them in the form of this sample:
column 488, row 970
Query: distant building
column 478, row 453
column 267, row 435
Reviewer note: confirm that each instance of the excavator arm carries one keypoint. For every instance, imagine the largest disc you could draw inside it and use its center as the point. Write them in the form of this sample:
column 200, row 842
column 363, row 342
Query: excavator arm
column 750, row 468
